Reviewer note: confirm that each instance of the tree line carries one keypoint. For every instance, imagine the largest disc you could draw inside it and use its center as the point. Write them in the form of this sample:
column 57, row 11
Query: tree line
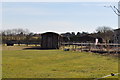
column 19, row 36
column 24, row 36
column 103, row 33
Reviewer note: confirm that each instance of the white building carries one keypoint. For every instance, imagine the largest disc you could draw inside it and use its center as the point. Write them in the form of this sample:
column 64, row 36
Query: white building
column 117, row 31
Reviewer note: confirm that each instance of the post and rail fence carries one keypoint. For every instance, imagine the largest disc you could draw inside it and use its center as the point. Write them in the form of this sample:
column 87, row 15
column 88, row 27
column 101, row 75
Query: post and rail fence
column 92, row 47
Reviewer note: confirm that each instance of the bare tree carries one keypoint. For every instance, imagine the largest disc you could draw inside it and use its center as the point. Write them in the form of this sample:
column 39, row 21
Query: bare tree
column 15, row 31
column 106, row 33
column 16, row 34
column 115, row 9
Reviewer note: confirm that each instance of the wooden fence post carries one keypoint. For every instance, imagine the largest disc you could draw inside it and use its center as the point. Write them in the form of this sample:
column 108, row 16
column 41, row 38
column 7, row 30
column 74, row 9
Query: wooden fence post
column 81, row 47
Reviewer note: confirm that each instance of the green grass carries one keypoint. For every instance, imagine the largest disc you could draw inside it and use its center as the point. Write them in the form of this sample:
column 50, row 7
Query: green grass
column 18, row 63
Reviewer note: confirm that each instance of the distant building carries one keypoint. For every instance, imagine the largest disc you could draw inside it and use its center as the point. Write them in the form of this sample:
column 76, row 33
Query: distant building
column 117, row 36
column 10, row 43
column 117, row 31
column 50, row 40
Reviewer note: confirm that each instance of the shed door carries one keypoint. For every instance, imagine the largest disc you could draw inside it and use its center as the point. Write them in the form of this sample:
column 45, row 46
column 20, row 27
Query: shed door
column 49, row 42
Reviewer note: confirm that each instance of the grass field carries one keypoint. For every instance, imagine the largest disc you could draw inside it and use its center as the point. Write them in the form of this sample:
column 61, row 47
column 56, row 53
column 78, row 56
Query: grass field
column 18, row 63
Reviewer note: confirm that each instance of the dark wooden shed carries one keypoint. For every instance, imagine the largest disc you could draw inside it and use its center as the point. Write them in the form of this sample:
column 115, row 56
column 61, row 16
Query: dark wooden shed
column 50, row 40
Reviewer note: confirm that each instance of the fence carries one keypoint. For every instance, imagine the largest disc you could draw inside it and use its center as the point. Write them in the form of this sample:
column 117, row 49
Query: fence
column 92, row 47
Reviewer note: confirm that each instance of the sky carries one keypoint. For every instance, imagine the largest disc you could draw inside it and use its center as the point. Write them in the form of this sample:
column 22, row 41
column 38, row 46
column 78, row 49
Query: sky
column 59, row 0
column 60, row 17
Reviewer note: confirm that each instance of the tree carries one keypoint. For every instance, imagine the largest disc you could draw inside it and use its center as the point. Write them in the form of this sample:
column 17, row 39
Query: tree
column 73, row 33
column 17, row 35
column 78, row 33
column 15, row 31
column 84, row 33
column 105, row 32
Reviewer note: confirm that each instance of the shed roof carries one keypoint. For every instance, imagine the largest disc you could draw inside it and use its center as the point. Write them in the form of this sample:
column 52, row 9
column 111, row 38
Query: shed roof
column 50, row 33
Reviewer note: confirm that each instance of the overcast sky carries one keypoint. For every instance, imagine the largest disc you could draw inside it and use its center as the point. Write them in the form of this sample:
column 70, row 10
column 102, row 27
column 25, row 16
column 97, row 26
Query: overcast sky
column 58, row 16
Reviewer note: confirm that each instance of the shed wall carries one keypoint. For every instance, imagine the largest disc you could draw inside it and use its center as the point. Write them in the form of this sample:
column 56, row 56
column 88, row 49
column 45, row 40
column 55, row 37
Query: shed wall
column 50, row 41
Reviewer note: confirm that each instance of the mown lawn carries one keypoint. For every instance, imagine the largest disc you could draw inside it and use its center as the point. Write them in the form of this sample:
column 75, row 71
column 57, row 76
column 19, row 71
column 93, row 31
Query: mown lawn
column 18, row 63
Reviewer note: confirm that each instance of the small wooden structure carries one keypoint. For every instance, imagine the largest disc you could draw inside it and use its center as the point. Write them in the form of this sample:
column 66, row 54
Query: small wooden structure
column 10, row 43
column 50, row 40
